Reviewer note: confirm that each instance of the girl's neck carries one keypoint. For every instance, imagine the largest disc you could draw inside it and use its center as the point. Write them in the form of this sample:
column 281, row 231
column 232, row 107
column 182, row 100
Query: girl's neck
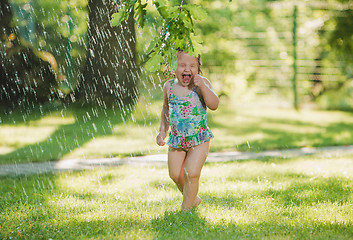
column 188, row 87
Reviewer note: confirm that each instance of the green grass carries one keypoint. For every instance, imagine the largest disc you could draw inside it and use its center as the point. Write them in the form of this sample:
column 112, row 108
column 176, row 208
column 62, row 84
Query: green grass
column 302, row 198
column 97, row 132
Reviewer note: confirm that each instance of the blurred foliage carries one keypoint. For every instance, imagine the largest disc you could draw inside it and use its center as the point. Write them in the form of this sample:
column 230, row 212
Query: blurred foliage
column 52, row 28
column 248, row 48
column 28, row 75
column 34, row 49
column 341, row 38
column 247, row 44
column 177, row 30
column 334, row 90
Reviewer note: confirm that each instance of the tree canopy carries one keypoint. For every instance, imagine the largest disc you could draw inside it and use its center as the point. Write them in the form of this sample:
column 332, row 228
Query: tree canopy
column 244, row 44
column 177, row 30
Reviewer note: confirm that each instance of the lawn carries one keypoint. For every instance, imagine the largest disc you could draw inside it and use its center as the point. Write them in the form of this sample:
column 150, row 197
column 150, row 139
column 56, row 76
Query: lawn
column 300, row 198
column 50, row 135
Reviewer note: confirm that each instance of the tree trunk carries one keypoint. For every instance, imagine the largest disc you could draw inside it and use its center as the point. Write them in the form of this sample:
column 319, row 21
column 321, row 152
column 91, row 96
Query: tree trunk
column 5, row 16
column 110, row 74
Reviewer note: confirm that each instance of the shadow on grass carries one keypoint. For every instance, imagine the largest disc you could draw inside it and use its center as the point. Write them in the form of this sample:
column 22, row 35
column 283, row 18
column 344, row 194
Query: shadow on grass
column 89, row 124
column 303, row 192
column 294, row 133
column 94, row 123
column 190, row 225
column 23, row 116
column 315, row 191
column 36, row 207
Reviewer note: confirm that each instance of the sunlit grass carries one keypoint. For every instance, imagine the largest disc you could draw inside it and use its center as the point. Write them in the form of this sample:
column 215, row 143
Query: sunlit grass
column 261, row 128
column 303, row 198
column 96, row 133
column 19, row 136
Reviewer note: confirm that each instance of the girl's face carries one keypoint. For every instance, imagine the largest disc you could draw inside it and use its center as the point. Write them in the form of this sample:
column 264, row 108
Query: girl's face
column 186, row 69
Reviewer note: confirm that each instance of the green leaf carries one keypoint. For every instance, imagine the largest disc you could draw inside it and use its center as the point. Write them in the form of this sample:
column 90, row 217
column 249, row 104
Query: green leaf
column 182, row 43
column 188, row 23
column 117, row 18
column 172, row 60
column 141, row 14
column 178, row 43
column 174, row 11
column 160, row 2
column 153, row 44
column 197, row 12
column 196, row 44
column 161, row 6
column 154, row 63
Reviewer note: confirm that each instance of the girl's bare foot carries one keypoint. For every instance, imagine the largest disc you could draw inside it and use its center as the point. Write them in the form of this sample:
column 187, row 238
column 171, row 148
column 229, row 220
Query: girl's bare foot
column 197, row 201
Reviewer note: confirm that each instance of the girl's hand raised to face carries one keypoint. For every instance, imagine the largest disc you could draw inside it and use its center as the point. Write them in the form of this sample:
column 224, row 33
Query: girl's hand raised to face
column 199, row 81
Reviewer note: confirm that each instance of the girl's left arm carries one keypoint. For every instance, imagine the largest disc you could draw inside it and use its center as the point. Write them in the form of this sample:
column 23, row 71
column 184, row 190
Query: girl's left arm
column 209, row 96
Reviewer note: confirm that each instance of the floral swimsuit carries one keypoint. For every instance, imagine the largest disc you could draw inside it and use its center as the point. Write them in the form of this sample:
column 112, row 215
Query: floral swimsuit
column 188, row 120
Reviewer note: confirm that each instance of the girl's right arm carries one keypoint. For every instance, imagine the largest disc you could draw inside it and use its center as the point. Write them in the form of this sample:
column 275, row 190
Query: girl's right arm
column 164, row 125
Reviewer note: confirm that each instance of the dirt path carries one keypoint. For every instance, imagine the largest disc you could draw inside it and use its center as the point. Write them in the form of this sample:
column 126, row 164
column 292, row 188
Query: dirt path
column 80, row 164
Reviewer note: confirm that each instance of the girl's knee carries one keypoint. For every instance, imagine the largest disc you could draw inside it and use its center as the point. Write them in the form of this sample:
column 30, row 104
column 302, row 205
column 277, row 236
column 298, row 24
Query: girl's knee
column 191, row 174
column 174, row 176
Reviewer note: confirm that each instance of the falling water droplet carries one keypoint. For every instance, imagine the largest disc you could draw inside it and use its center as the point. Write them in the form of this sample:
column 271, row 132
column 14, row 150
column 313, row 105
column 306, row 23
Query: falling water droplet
column 94, row 127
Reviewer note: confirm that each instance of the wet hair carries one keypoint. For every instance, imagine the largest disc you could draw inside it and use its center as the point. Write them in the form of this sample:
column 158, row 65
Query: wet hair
column 170, row 73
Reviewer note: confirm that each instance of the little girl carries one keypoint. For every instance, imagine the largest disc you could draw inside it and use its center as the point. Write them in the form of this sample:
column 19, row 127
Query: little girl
column 184, row 110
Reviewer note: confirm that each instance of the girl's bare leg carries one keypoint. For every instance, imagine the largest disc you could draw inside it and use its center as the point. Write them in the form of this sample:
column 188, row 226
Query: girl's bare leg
column 195, row 159
column 176, row 162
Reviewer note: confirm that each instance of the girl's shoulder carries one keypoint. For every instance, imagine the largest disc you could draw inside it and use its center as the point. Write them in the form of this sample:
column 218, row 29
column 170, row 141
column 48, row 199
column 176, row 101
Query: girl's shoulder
column 168, row 84
column 167, row 87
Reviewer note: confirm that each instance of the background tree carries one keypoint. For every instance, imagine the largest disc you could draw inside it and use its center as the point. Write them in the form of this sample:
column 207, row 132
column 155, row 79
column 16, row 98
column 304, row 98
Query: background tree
column 335, row 55
column 175, row 33
column 28, row 76
column 341, row 38
column 247, row 47
column 111, row 72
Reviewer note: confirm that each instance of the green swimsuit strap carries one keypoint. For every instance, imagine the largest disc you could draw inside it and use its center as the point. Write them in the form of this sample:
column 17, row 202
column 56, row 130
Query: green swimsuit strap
column 171, row 87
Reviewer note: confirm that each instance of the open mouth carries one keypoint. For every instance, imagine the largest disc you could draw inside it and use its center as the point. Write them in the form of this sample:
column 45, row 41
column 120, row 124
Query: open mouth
column 186, row 77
